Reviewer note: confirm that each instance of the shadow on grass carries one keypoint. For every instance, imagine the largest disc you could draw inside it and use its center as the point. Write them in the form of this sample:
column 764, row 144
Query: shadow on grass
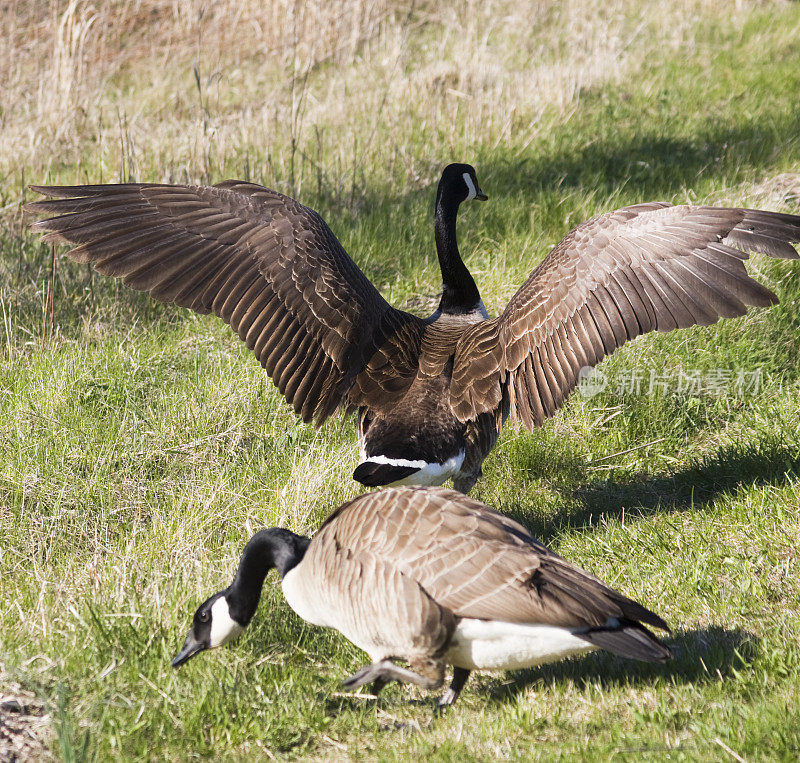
column 650, row 163
column 731, row 468
column 700, row 656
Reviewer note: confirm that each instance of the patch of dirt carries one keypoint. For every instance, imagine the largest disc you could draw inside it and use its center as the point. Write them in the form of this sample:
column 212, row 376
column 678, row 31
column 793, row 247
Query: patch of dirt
column 25, row 728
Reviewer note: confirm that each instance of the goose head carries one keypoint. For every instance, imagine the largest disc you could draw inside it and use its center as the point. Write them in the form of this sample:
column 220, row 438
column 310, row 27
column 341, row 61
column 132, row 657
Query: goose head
column 215, row 623
column 223, row 616
column 459, row 183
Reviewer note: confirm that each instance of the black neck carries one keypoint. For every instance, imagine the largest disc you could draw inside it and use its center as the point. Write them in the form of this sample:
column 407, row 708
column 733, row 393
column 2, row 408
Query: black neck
column 460, row 294
column 273, row 547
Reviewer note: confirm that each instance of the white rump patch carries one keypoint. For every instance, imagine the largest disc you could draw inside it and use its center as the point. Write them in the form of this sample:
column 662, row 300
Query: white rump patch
column 497, row 645
column 223, row 626
column 430, row 472
column 397, row 461
column 473, row 192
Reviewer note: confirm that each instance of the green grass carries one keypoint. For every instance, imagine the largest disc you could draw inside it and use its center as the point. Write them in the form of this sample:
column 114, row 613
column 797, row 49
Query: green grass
column 141, row 445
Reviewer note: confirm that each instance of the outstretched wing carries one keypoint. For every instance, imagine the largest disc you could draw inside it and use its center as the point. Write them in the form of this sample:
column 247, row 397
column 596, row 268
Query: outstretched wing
column 475, row 562
column 264, row 263
column 642, row 268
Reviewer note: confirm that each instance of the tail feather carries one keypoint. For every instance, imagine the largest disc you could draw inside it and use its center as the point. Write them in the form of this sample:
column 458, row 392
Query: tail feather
column 634, row 611
column 628, row 639
column 372, row 474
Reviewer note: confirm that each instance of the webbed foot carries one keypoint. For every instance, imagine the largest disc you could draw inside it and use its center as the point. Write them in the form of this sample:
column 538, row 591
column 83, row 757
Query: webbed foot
column 385, row 671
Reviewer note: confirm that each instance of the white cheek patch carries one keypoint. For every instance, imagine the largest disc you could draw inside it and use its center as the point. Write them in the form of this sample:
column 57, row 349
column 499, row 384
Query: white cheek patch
column 223, row 626
column 470, row 186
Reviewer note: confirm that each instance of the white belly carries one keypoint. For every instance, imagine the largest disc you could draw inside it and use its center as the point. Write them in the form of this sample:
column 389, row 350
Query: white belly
column 304, row 598
column 491, row 645
column 297, row 598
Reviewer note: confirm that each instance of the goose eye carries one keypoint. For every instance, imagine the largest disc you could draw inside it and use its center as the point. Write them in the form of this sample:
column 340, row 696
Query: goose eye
column 203, row 616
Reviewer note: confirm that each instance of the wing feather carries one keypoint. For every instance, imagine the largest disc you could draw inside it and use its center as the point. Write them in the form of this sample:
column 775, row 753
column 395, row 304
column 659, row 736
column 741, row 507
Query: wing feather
column 474, row 561
column 268, row 266
column 642, row 268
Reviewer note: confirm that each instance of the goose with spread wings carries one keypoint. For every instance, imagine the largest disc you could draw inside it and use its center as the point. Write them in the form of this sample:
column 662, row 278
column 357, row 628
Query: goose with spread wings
column 431, row 394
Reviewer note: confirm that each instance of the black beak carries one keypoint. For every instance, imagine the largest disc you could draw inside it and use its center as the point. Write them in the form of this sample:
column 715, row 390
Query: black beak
column 481, row 196
column 190, row 648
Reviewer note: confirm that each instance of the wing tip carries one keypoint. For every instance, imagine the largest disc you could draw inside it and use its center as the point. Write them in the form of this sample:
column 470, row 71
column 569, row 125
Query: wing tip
column 89, row 190
column 63, row 191
column 630, row 640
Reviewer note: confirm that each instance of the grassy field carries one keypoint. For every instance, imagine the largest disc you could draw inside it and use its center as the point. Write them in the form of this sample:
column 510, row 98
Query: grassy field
column 141, row 445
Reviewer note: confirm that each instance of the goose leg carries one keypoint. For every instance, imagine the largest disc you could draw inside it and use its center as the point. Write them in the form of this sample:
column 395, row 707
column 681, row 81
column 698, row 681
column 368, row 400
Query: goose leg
column 465, row 483
column 460, row 676
column 377, row 685
column 386, row 671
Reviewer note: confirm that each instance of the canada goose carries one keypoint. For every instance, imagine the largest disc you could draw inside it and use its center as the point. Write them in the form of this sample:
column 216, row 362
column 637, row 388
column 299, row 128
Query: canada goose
column 431, row 394
column 432, row 577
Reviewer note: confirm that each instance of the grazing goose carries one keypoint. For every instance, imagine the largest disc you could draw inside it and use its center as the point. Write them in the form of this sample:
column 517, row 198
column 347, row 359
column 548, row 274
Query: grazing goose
column 432, row 577
column 431, row 394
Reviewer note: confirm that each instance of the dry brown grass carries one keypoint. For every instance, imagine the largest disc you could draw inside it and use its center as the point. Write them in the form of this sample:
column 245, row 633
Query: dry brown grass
column 294, row 92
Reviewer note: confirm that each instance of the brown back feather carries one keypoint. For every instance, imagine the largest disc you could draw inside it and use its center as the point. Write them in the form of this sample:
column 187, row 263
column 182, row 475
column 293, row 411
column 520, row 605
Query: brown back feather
column 474, row 561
